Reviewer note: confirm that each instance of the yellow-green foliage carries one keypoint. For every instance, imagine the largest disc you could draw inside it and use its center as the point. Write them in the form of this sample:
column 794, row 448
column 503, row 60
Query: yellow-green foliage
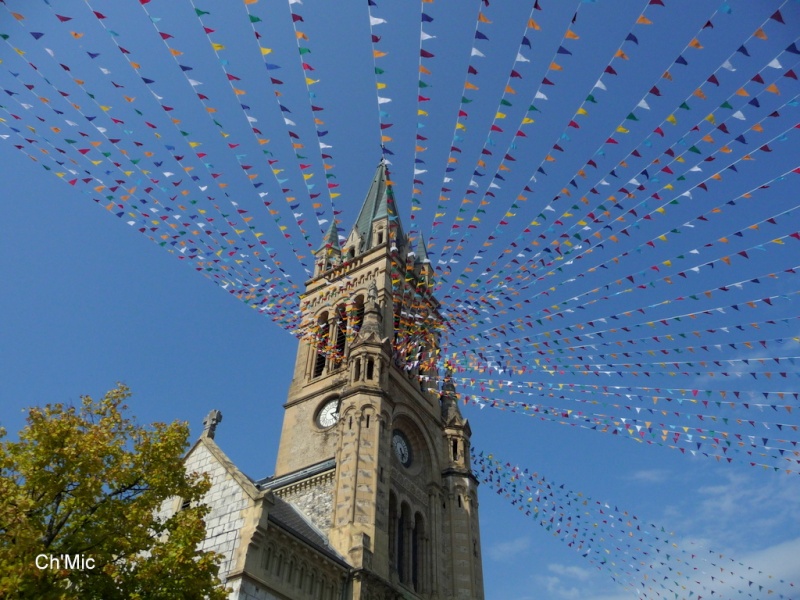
column 87, row 480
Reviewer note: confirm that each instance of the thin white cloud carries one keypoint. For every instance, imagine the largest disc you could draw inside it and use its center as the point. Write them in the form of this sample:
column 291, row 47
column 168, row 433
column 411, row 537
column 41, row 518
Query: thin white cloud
column 650, row 475
column 501, row 551
column 571, row 571
column 558, row 588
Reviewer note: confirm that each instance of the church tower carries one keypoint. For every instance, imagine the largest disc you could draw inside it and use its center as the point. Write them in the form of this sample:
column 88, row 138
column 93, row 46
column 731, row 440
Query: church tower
column 374, row 448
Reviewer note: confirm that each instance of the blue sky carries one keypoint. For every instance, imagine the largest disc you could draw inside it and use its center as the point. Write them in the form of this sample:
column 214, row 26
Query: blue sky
column 91, row 301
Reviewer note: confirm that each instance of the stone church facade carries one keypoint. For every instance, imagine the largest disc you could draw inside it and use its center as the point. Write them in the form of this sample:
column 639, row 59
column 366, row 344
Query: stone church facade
column 373, row 495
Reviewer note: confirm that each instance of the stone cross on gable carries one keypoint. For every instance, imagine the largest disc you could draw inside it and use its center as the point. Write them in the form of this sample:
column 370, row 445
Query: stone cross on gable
column 210, row 423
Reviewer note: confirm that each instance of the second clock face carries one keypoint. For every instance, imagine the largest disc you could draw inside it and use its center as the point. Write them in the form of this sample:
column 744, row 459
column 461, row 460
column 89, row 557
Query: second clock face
column 402, row 450
column 328, row 414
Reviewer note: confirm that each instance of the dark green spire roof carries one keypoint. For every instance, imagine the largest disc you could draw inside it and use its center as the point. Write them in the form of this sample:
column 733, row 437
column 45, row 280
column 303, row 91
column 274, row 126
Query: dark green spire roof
column 421, row 251
column 331, row 239
column 378, row 204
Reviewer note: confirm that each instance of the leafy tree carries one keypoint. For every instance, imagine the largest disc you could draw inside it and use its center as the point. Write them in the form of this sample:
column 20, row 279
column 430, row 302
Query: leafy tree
column 88, row 481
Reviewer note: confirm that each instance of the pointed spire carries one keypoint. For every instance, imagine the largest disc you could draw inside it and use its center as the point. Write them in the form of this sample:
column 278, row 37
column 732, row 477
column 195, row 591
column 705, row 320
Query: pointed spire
column 421, row 253
column 331, row 239
column 378, row 204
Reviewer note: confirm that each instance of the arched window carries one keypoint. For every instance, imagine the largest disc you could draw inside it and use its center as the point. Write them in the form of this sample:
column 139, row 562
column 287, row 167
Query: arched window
column 370, row 368
column 417, row 552
column 266, row 558
column 357, row 370
column 279, row 566
column 323, row 336
column 393, row 537
column 358, row 316
column 403, row 542
column 341, row 335
column 290, row 572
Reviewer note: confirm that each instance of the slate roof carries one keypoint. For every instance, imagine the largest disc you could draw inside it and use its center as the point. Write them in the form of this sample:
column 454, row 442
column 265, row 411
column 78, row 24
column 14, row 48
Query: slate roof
column 378, row 204
column 290, row 519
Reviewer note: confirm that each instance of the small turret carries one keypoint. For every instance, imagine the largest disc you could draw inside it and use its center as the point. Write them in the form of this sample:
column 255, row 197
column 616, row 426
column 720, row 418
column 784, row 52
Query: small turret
column 329, row 253
column 422, row 264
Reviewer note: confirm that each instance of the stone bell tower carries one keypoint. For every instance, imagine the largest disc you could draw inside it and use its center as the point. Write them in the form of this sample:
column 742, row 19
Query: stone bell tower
column 373, row 442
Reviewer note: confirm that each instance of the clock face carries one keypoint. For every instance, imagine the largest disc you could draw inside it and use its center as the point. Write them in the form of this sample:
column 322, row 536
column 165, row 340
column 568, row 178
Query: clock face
column 401, row 448
column 328, row 414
